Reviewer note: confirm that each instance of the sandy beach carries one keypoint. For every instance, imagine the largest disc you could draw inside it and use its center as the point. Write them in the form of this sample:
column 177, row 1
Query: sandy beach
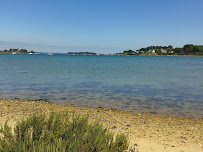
column 146, row 133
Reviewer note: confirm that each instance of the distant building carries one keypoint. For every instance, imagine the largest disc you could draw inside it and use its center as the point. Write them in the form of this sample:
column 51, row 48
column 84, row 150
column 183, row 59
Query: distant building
column 140, row 51
column 163, row 51
column 151, row 51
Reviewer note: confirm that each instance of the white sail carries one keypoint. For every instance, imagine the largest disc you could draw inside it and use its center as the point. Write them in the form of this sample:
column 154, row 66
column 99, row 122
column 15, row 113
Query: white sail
column 50, row 52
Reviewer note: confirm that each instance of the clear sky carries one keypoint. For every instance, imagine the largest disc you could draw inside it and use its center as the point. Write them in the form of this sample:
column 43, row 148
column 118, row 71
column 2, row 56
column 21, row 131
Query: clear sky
column 104, row 26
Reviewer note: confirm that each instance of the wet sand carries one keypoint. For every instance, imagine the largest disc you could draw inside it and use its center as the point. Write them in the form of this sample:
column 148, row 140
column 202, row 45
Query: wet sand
column 146, row 133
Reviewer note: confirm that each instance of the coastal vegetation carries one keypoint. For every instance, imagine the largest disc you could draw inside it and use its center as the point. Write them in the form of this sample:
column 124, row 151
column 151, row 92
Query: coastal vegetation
column 188, row 49
column 81, row 53
column 17, row 51
column 59, row 132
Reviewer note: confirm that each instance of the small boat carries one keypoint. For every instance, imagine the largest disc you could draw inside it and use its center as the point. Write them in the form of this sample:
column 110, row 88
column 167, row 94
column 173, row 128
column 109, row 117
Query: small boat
column 13, row 52
column 50, row 53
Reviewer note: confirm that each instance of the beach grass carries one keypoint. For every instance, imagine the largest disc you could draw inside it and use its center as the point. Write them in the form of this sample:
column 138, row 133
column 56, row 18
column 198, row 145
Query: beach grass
column 59, row 132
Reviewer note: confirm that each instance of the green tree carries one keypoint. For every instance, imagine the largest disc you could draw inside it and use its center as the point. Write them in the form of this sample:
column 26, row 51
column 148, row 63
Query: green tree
column 178, row 50
column 129, row 52
column 188, row 48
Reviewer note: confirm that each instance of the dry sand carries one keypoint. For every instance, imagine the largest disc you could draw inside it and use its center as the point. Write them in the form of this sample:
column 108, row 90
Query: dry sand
column 146, row 133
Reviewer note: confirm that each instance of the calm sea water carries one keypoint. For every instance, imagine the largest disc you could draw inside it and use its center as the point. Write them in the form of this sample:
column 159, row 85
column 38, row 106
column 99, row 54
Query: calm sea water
column 165, row 85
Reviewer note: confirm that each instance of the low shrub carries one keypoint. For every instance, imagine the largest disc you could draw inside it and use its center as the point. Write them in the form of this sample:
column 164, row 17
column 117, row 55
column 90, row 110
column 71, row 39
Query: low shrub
column 59, row 132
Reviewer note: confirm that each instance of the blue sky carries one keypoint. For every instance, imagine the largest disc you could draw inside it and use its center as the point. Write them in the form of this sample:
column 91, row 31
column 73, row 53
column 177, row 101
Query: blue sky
column 104, row 26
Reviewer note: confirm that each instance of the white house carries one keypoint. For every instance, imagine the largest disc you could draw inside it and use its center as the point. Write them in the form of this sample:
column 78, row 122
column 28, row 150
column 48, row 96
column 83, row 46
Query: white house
column 163, row 51
column 151, row 51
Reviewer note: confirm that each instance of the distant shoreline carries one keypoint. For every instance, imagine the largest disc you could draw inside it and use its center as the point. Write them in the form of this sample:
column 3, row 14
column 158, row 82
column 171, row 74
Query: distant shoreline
column 167, row 55
column 111, row 55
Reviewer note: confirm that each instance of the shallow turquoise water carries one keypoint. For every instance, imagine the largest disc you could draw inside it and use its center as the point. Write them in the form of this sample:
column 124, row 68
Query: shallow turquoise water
column 171, row 85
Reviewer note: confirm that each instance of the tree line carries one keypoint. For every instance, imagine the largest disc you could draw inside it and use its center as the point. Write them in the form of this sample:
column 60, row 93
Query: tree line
column 188, row 49
column 13, row 50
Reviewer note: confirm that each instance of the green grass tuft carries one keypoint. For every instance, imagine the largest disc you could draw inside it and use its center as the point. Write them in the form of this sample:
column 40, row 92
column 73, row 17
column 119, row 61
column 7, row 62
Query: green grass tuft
column 59, row 132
